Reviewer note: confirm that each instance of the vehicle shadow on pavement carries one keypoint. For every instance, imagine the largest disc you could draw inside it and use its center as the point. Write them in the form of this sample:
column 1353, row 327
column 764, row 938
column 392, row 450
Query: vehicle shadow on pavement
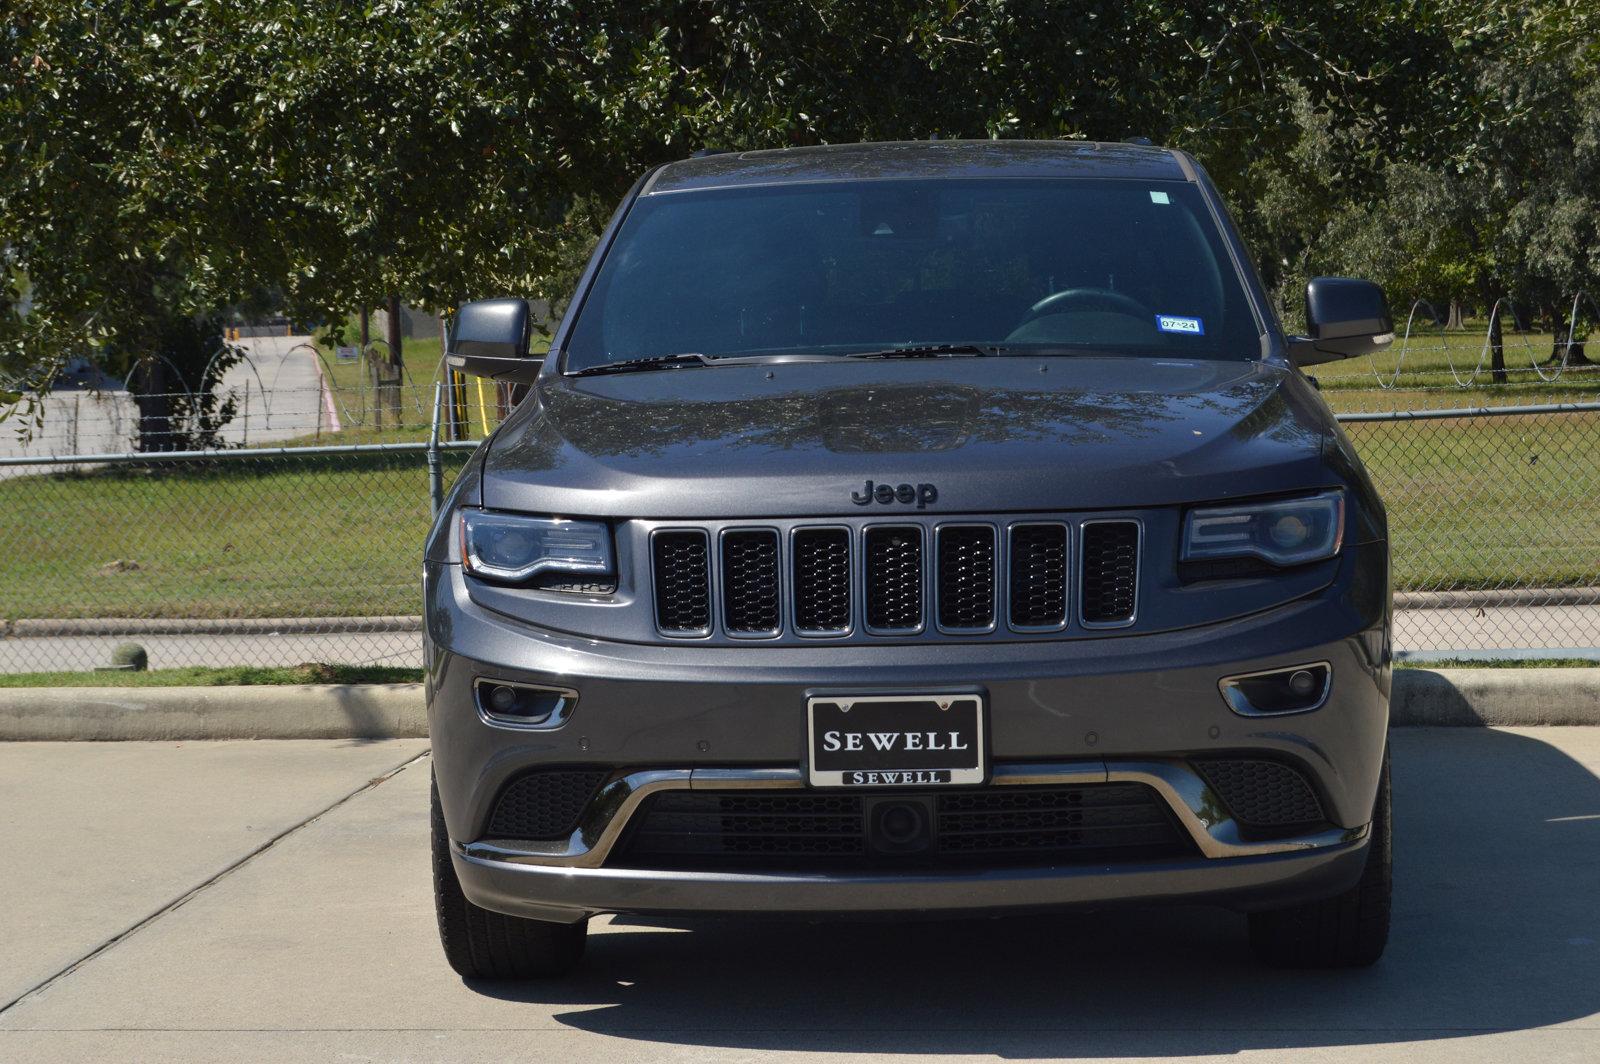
column 1497, row 873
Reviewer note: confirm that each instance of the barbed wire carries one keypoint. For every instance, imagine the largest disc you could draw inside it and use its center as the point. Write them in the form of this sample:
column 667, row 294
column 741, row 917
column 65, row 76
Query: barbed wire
column 1486, row 351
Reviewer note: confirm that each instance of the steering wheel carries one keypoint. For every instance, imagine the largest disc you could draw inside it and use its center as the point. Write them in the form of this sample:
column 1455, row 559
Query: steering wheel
column 1085, row 299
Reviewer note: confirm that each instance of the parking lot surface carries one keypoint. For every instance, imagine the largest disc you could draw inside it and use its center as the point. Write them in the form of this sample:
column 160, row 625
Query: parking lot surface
column 270, row 901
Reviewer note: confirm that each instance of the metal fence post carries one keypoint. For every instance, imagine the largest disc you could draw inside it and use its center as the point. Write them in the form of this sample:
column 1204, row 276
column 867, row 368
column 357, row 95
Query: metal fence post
column 435, row 467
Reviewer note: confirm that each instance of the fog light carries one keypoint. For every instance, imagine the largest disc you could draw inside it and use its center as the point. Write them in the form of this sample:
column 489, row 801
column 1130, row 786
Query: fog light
column 519, row 705
column 1302, row 683
column 1297, row 689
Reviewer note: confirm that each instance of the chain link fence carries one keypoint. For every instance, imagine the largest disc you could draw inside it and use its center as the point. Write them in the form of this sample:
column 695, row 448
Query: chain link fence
column 307, row 550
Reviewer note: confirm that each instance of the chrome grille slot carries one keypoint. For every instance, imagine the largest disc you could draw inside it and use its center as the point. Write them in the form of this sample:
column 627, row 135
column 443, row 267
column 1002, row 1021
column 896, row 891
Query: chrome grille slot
column 856, row 579
column 750, row 582
column 682, row 582
column 1109, row 571
column 1038, row 578
column 966, row 577
column 822, row 581
column 894, row 578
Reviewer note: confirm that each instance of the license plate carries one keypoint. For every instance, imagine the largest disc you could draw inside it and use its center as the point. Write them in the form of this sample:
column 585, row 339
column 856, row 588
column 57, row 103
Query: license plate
column 895, row 740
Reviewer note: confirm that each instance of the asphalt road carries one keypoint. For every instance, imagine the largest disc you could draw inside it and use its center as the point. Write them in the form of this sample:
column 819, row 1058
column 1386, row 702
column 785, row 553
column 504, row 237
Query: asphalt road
column 270, row 901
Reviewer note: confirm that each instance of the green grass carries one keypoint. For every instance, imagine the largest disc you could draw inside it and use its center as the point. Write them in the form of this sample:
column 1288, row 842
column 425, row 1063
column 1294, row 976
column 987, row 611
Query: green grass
column 1472, row 503
column 320, row 536
column 203, row 677
column 1425, row 379
column 1484, row 502
column 355, row 400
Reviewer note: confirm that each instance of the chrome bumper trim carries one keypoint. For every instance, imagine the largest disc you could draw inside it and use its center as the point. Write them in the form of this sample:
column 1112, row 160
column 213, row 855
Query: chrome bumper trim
column 1198, row 809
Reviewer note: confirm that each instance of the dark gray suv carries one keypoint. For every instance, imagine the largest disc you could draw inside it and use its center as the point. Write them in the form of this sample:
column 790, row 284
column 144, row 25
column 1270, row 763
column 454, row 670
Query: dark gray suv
column 912, row 528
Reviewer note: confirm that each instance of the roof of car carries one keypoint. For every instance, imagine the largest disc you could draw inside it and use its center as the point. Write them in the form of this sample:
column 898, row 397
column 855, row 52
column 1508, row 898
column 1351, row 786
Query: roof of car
column 922, row 158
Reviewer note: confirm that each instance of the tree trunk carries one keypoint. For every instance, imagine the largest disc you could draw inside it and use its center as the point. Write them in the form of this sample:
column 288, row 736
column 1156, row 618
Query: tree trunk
column 397, row 361
column 1560, row 339
column 1497, row 350
column 1455, row 321
column 1563, row 335
column 148, row 383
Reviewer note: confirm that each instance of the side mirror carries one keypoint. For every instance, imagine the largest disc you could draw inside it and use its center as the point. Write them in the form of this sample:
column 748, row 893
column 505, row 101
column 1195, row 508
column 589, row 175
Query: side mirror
column 1345, row 317
column 490, row 339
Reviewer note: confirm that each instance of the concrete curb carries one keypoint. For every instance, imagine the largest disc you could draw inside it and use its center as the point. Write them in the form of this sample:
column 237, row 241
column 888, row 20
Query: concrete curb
column 1495, row 697
column 1422, row 697
column 313, row 711
column 1496, row 597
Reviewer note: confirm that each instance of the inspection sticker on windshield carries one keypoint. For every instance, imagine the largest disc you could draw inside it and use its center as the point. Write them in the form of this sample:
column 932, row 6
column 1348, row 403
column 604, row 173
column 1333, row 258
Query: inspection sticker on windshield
column 1172, row 324
column 1159, row 197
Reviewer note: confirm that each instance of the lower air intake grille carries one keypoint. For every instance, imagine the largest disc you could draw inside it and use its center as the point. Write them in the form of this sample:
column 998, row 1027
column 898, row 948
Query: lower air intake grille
column 822, row 580
column 991, row 826
column 966, row 577
column 689, row 825
column 1053, row 820
column 1110, row 572
column 894, row 579
column 1039, row 576
column 682, row 582
column 750, row 582
column 545, row 804
column 1262, row 794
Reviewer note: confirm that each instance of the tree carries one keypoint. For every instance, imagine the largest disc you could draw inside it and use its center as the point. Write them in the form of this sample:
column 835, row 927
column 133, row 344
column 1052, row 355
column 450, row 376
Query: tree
column 166, row 160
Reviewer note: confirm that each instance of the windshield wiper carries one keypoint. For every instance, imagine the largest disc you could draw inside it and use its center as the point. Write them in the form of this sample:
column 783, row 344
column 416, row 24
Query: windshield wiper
column 628, row 365
column 927, row 351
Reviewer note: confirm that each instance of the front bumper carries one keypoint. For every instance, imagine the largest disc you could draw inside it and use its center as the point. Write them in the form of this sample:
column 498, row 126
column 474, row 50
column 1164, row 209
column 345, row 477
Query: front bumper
column 1134, row 709
column 564, row 880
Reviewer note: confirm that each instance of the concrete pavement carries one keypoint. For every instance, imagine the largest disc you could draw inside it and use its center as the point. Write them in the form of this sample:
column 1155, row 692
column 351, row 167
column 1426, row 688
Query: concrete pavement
column 322, row 947
column 280, row 392
column 94, row 840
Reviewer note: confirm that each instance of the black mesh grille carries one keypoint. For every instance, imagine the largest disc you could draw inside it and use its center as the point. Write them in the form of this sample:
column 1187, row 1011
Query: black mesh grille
column 544, row 804
column 966, row 577
column 677, row 825
column 750, row 582
column 1110, row 571
column 1260, row 793
column 822, row 580
column 682, row 585
column 1039, row 576
column 1054, row 820
column 894, row 578
column 991, row 826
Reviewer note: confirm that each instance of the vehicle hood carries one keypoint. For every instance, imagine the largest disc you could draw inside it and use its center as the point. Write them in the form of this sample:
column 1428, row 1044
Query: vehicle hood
column 990, row 434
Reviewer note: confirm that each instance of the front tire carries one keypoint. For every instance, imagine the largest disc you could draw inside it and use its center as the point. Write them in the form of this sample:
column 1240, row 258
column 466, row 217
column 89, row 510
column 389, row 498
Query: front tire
column 1348, row 930
column 482, row 944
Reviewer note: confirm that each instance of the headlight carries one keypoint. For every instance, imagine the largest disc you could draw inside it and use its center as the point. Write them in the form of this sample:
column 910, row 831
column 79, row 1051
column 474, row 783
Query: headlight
column 1283, row 532
column 511, row 547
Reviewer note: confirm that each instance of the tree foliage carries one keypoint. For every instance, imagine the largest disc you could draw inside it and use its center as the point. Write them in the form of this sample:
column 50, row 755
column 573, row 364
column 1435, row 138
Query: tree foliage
column 164, row 159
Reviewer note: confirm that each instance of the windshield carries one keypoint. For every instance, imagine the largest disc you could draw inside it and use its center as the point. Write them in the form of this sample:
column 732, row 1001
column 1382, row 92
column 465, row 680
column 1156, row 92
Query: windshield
column 1121, row 267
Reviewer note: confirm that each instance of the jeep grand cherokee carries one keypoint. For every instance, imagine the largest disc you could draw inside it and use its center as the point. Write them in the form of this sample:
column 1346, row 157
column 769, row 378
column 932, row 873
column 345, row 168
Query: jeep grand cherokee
column 924, row 527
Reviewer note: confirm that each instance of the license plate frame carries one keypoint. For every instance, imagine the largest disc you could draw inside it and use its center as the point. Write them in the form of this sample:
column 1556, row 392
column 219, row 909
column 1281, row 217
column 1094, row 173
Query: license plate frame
column 959, row 756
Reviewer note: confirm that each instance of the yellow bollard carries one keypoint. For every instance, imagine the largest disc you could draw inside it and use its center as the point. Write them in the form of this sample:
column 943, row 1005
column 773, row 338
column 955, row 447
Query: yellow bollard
column 483, row 411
